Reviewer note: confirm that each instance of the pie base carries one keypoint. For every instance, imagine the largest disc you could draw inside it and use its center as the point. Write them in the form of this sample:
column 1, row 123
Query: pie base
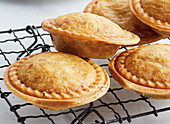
column 84, row 48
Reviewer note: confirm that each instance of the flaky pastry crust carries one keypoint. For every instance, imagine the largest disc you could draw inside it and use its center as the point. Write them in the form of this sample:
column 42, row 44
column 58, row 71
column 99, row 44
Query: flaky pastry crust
column 155, row 13
column 56, row 81
column 118, row 11
column 145, row 69
column 87, row 35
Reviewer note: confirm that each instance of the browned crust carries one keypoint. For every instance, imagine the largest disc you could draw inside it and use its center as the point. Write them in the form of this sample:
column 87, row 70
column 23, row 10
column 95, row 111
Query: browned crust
column 132, row 39
column 163, row 33
column 146, row 88
column 88, row 8
column 85, row 49
column 54, row 101
column 138, row 11
column 147, row 40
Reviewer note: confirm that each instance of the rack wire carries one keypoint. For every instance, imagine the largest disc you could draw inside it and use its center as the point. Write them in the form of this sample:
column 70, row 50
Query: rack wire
column 33, row 39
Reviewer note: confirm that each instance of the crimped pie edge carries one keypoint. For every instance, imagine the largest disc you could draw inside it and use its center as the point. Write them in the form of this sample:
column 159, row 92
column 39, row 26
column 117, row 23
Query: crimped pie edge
column 151, row 92
column 145, row 18
column 148, row 40
column 59, row 102
column 48, row 27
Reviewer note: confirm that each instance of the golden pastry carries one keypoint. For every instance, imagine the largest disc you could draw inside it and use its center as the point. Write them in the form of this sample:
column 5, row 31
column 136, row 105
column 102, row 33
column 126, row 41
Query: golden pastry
column 118, row 11
column 145, row 69
column 56, row 81
column 87, row 35
column 155, row 13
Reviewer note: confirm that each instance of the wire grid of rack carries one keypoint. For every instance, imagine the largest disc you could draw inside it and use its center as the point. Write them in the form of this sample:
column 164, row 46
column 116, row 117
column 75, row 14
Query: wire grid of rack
column 38, row 43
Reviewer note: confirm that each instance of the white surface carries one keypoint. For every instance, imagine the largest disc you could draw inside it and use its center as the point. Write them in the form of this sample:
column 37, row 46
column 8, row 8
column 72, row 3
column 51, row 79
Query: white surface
column 20, row 13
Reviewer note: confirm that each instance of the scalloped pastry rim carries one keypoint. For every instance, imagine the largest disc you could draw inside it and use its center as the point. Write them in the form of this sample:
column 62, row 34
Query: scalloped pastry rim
column 134, row 38
column 151, row 92
column 149, row 40
column 60, row 103
column 145, row 18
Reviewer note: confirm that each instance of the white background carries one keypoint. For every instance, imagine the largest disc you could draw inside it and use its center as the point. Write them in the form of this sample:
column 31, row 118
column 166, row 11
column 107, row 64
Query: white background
column 20, row 13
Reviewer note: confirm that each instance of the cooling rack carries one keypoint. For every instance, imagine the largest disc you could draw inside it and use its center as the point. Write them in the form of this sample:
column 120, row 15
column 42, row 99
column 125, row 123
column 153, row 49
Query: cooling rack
column 19, row 43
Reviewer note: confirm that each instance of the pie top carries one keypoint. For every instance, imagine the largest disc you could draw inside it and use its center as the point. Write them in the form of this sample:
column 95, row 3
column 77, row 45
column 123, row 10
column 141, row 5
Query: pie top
column 57, row 76
column 155, row 13
column 118, row 11
column 56, row 73
column 89, row 26
column 148, row 66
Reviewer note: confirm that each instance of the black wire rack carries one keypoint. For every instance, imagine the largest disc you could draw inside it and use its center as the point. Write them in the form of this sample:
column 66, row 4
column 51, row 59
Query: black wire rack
column 33, row 39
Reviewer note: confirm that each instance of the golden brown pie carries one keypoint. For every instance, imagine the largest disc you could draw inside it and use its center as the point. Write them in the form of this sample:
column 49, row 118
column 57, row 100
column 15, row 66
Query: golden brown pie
column 118, row 11
column 145, row 69
column 155, row 13
column 56, row 80
column 87, row 35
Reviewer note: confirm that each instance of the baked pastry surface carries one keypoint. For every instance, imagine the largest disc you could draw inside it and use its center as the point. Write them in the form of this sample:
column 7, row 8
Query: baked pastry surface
column 56, row 81
column 145, row 69
column 155, row 13
column 87, row 35
column 118, row 11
